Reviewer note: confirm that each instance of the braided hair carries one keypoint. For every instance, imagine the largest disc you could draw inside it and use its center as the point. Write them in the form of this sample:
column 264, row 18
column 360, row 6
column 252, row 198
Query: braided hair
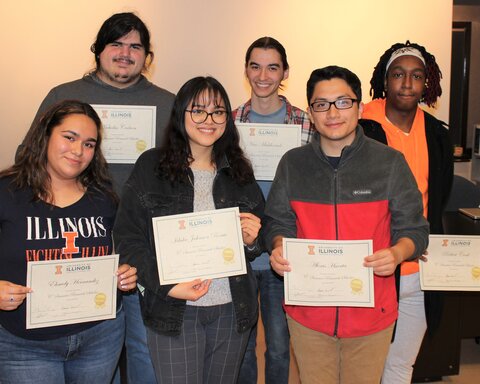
column 433, row 90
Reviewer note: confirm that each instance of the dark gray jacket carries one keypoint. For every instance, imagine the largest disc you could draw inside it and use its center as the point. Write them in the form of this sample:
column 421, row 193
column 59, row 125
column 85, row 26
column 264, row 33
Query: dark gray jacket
column 147, row 195
column 90, row 89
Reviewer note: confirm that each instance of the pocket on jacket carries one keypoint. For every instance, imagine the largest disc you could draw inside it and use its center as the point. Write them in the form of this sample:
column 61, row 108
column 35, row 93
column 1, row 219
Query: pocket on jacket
column 160, row 205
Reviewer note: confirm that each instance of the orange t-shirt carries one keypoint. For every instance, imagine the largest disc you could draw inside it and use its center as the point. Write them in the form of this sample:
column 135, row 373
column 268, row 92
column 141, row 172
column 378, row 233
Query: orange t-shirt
column 413, row 145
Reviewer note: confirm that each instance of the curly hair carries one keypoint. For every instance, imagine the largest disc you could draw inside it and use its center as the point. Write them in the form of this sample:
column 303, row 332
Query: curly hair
column 30, row 168
column 433, row 90
column 176, row 155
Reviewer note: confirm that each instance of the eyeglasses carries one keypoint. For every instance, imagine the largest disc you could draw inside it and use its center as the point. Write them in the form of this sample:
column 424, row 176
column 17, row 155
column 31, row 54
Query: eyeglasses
column 324, row 105
column 199, row 115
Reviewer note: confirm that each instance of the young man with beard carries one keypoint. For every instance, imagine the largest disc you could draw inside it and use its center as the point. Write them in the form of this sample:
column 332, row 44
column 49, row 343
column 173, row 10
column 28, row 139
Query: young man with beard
column 122, row 54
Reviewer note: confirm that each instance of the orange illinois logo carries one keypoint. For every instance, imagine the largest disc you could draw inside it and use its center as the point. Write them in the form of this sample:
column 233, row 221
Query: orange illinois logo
column 181, row 224
column 104, row 114
column 311, row 249
column 58, row 270
column 252, row 131
column 445, row 243
column 70, row 246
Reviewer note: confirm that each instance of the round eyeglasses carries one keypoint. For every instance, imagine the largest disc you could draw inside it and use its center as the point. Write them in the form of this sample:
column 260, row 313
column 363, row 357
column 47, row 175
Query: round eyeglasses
column 324, row 105
column 200, row 115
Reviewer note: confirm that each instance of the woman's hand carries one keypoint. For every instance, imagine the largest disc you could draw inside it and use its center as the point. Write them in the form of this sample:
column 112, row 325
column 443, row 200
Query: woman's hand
column 12, row 295
column 127, row 277
column 191, row 290
column 250, row 227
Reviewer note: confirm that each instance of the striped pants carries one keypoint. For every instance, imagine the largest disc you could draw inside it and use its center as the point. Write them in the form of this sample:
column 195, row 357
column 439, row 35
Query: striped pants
column 208, row 349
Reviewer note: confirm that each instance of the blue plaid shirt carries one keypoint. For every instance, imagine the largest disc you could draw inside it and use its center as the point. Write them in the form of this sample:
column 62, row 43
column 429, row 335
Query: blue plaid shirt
column 294, row 115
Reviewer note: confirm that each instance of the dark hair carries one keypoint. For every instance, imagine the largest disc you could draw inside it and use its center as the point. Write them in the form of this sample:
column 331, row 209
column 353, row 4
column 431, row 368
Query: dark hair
column 30, row 168
column 433, row 90
column 176, row 155
column 334, row 72
column 267, row 42
column 117, row 26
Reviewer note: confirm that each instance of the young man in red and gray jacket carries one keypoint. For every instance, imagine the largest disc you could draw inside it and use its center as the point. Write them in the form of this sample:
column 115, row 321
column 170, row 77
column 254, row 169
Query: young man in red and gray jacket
column 344, row 186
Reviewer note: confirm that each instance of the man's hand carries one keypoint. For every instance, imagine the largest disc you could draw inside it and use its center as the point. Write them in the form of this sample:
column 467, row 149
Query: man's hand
column 384, row 261
column 279, row 264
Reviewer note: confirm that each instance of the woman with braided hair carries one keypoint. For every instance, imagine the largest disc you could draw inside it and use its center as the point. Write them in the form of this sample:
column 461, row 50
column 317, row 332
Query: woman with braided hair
column 405, row 76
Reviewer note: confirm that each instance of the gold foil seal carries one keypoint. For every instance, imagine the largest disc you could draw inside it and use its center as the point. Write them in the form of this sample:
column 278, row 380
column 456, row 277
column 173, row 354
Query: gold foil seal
column 356, row 285
column 228, row 255
column 100, row 299
column 141, row 145
column 476, row 273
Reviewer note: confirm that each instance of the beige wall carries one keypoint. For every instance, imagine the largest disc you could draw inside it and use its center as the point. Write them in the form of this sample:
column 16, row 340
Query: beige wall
column 47, row 42
column 472, row 14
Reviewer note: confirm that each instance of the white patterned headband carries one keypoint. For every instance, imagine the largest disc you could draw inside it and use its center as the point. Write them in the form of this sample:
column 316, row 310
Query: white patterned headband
column 405, row 51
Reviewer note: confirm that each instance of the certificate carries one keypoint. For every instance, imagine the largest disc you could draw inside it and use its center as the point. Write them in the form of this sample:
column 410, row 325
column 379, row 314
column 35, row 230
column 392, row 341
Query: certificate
column 201, row 245
column 129, row 130
column 265, row 144
column 453, row 264
column 71, row 291
column 328, row 273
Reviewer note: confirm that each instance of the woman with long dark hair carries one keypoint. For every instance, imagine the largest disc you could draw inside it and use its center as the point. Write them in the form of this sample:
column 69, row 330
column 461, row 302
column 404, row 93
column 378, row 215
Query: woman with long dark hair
column 57, row 202
column 197, row 331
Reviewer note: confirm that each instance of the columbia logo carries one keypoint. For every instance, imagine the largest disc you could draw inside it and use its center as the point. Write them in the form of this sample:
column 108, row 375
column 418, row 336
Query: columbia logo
column 359, row 192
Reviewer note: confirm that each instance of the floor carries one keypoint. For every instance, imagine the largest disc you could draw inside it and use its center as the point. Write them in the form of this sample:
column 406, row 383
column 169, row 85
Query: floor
column 469, row 363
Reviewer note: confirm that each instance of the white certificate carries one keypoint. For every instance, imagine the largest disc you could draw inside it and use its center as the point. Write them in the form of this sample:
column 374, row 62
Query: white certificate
column 129, row 130
column 265, row 144
column 328, row 273
column 202, row 245
column 453, row 264
column 71, row 291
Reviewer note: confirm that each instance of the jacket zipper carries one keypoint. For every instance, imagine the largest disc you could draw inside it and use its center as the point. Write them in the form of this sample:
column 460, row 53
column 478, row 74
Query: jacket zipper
column 335, row 190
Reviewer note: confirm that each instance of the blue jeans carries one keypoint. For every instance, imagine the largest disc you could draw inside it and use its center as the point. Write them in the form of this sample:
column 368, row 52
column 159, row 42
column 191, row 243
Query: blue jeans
column 139, row 365
column 89, row 356
column 277, row 339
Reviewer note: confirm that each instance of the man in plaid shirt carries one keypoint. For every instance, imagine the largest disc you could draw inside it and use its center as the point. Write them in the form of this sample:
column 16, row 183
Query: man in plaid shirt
column 266, row 67
column 293, row 115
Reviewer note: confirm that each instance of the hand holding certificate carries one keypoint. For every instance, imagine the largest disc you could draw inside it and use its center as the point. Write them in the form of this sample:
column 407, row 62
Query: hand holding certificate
column 328, row 273
column 202, row 245
column 71, row 291
column 453, row 264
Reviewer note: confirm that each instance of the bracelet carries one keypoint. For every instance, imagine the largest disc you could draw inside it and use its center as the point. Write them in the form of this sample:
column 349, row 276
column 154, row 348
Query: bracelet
column 251, row 247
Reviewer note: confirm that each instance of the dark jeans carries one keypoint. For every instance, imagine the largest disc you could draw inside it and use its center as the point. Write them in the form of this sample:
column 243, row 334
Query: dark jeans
column 277, row 355
column 139, row 365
